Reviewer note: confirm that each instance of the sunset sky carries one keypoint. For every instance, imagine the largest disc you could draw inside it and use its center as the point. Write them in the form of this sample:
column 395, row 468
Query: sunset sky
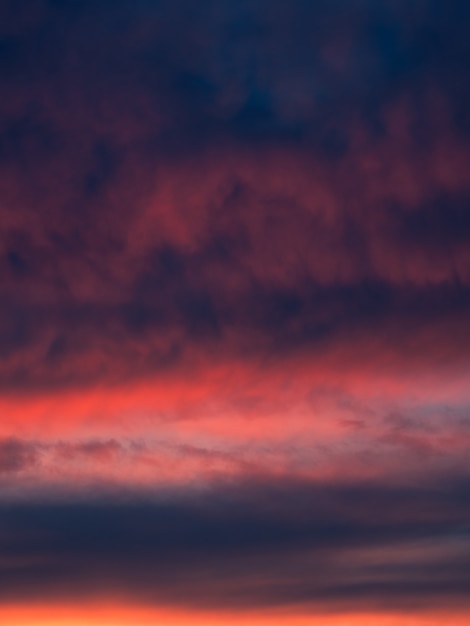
column 234, row 312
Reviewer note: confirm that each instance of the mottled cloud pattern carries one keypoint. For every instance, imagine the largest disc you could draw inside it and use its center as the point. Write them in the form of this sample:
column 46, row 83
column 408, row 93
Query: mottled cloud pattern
column 235, row 303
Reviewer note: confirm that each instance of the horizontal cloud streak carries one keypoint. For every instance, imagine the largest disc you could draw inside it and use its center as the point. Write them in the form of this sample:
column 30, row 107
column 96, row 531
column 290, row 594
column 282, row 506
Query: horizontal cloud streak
column 323, row 441
column 246, row 545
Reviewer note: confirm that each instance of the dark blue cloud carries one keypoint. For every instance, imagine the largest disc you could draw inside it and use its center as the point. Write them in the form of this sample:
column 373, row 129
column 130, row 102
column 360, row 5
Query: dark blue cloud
column 267, row 543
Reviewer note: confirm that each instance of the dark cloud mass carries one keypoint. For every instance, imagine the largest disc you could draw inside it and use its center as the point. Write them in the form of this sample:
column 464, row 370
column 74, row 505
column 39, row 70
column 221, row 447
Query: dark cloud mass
column 244, row 546
column 179, row 175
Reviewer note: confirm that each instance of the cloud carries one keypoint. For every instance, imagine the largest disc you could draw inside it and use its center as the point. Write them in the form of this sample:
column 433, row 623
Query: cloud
column 235, row 181
column 322, row 437
column 245, row 545
column 234, row 303
column 16, row 456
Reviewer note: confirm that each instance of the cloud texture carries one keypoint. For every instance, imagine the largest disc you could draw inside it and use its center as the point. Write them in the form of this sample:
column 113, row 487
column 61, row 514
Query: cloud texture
column 235, row 302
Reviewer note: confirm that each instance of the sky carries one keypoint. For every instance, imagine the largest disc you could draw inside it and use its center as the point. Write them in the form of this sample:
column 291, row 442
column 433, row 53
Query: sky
column 234, row 312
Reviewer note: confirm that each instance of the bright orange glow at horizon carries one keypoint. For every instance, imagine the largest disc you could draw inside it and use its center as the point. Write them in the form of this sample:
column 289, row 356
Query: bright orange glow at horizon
column 138, row 616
